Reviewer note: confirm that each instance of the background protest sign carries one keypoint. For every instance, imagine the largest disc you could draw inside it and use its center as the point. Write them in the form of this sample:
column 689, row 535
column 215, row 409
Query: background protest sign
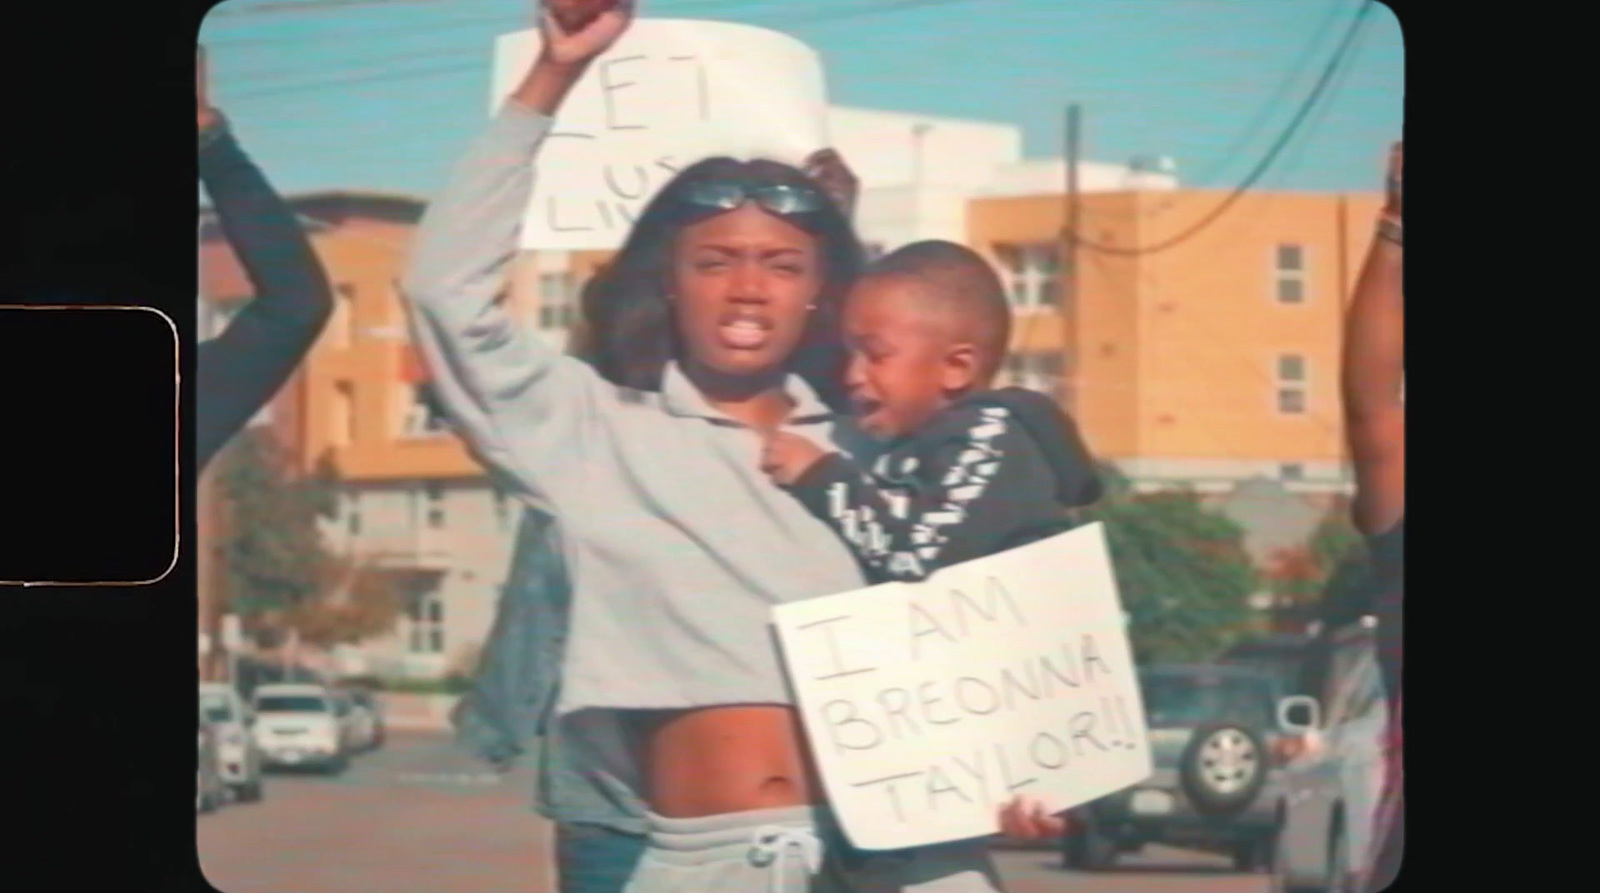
column 668, row 94
column 929, row 705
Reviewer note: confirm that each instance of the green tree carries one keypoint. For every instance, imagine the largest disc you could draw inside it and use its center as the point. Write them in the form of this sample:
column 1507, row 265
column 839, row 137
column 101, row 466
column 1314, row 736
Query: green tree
column 1184, row 575
column 278, row 573
column 1324, row 578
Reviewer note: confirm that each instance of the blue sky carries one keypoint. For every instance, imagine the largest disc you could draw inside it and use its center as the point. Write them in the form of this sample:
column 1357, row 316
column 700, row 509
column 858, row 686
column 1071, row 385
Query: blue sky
column 383, row 94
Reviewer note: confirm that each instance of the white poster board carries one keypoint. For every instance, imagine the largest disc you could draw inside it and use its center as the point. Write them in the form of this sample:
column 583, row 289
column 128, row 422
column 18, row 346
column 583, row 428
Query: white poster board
column 930, row 705
column 668, row 94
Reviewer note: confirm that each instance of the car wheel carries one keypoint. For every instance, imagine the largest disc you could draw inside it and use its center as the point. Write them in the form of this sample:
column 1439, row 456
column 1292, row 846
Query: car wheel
column 1089, row 849
column 337, row 765
column 1223, row 769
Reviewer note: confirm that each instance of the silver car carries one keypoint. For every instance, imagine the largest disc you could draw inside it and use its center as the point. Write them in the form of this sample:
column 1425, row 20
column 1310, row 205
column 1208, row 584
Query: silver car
column 365, row 702
column 209, row 790
column 1216, row 735
column 1331, row 788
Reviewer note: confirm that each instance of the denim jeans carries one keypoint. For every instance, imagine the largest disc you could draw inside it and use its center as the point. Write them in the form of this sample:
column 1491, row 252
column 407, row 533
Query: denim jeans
column 595, row 859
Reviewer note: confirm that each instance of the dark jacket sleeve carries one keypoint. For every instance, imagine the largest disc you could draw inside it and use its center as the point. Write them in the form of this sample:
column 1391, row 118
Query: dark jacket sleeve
column 985, row 480
column 239, row 371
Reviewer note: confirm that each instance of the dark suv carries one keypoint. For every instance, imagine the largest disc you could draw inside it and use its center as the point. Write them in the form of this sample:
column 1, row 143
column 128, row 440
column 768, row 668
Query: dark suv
column 1217, row 739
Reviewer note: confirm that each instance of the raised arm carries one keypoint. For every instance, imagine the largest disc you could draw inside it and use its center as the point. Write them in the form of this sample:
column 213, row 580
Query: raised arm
column 1374, row 372
column 987, row 481
column 240, row 370
column 514, row 398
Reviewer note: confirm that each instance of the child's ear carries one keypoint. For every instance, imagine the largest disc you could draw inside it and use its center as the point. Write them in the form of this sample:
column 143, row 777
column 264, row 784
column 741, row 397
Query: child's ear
column 960, row 370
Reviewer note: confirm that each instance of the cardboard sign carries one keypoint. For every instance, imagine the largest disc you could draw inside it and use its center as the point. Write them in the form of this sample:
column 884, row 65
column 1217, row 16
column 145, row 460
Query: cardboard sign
column 668, row 94
column 930, row 705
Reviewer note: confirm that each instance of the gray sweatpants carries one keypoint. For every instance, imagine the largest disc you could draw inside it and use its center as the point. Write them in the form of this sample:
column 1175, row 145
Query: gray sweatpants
column 784, row 851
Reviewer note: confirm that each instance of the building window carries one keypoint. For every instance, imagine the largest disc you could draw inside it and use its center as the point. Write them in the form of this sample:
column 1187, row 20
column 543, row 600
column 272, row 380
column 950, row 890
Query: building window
column 1042, row 371
column 342, row 425
column 1292, row 384
column 426, row 614
column 1032, row 273
column 433, row 504
column 1289, row 274
column 558, row 301
column 420, row 414
column 502, row 510
column 341, row 328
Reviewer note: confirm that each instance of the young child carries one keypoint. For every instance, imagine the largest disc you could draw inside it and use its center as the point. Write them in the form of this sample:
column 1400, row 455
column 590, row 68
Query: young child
column 968, row 470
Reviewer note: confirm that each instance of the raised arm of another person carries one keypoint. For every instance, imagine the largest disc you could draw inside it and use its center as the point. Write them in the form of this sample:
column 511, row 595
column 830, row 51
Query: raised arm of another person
column 1374, row 372
column 239, row 371
column 499, row 385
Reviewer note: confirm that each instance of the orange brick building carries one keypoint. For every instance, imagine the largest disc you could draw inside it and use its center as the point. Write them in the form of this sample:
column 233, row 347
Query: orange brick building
column 1212, row 363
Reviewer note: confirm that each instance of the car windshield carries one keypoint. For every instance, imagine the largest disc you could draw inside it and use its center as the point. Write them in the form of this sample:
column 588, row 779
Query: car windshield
column 1181, row 700
column 291, row 704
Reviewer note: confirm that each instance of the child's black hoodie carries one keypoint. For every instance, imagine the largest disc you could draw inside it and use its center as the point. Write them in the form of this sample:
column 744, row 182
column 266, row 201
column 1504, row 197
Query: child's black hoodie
column 991, row 472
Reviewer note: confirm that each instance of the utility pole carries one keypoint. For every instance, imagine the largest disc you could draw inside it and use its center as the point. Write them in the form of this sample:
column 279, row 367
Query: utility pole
column 919, row 131
column 1069, row 266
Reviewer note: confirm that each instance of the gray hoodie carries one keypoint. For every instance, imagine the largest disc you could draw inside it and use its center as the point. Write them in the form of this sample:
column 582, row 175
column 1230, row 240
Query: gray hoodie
column 677, row 545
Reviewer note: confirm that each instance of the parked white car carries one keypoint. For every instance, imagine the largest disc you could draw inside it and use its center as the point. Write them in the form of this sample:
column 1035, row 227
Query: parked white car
column 298, row 726
column 238, row 756
column 1331, row 788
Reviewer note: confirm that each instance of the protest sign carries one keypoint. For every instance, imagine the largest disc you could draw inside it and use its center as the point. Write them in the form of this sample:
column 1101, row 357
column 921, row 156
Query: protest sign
column 667, row 94
column 930, row 705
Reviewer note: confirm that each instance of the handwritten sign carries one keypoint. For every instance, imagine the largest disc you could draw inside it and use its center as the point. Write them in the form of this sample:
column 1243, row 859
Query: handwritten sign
column 666, row 95
column 930, row 705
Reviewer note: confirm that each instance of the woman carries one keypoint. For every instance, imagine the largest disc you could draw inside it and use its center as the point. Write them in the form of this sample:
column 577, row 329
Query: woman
column 1374, row 399
column 599, row 830
column 239, row 371
column 677, row 544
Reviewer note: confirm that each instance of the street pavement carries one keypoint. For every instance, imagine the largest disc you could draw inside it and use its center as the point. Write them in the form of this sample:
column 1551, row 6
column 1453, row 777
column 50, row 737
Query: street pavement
column 422, row 816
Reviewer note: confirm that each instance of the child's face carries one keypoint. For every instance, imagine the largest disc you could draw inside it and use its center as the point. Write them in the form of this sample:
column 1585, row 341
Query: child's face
column 905, row 360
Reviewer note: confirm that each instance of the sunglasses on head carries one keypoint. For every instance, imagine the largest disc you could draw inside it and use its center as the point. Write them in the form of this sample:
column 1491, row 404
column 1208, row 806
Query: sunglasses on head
column 780, row 199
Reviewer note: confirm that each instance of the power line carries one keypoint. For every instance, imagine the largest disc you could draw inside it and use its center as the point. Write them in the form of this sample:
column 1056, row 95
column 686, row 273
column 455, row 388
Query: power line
column 887, row 6
column 1264, row 114
column 432, row 71
column 276, row 7
column 367, row 77
column 1262, row 166
column 502, row 18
